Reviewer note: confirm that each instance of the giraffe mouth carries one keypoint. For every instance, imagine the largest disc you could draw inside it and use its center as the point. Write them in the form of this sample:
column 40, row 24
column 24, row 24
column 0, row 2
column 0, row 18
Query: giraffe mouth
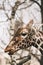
column 11, row 52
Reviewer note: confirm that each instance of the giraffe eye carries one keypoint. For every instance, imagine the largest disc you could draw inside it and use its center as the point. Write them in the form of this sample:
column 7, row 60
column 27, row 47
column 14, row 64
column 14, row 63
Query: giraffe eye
column 23, row 34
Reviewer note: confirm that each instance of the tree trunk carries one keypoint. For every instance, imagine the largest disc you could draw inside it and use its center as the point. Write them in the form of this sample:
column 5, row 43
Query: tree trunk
column 42, row 12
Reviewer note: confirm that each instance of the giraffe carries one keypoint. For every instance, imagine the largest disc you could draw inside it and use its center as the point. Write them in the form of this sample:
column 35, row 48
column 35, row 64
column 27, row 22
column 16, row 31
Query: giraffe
column 26, row 36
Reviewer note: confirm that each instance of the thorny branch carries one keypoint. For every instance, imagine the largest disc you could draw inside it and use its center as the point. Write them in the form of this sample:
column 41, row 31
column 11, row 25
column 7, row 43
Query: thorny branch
column 41, row 7
column 37, row 3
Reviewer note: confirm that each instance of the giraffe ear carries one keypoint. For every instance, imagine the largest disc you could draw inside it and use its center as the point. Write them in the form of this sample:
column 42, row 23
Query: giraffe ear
column 29, row 25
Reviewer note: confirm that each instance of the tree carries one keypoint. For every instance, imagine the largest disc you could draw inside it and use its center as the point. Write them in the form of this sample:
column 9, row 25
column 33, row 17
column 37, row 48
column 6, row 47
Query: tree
column 42, row 11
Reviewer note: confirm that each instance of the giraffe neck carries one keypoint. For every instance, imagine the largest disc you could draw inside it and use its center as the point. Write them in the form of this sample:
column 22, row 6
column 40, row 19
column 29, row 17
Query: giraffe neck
column 38, row 41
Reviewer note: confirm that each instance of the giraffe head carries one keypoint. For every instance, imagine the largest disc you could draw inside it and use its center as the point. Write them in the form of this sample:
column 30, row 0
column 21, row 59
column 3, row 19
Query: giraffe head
column 20, row 40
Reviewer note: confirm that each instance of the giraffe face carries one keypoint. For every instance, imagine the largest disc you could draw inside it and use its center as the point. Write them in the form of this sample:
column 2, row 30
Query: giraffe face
column 20, row 40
